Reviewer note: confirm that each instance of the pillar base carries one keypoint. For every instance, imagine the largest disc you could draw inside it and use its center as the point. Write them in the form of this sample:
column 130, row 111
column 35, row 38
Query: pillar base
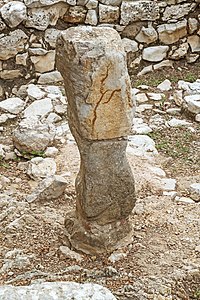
column 91, row 238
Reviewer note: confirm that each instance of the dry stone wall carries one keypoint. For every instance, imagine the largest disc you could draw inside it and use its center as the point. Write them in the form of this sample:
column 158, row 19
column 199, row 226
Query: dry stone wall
column 155, row 34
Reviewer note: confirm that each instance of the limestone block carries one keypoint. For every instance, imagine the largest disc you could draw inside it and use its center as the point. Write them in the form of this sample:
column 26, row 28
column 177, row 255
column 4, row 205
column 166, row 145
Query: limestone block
column 194, row 42
column 49, row 188
column 12, row 105
column 10, row 74
column 193, row 25
column 101, row 88
column 132, row 11
column 92, row 4
column 40, row 3
column 39, row 108
column 147, row 35
column 91, row 17
column 13, row 13
column 50, row 77
column 21, row 59
column 180, row 52
column 177, row 11
column 39, row 167
column 156, row 53
column 33, row 135
column 75, row 14
column 51, row 35
column 193, row 103
column 130, row 45
column 108, row 13
column 44, row 63
column 40, row 18
column 12, row 44
column 171, row 33
column 111, row 2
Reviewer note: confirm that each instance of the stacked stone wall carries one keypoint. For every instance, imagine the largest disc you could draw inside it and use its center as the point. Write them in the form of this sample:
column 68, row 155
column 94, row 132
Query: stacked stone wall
column 155, row 34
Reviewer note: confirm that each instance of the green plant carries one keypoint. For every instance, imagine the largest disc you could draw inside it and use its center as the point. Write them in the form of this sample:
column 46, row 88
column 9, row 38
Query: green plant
column 197, row 294
column 190, row 77
column 32, row 154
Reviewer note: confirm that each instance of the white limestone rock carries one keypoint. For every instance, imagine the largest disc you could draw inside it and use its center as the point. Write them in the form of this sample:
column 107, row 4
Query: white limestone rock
column 169, row 184
column 44, row 63
column 33, row 135
column 184, row 200
column 165, row 85
column 40, row 3
column 57, row 290
column 92, row 4
column 141, row 145
column 138, row 11
column 155, row 53
column 195, row 191
column 67, row 253
column 178, row 11
column 39, row 108
column 13, row 13
column 34, row 92
column 130, row 46
column 178, row 123
column 193, row 103
column 51, row 152
column 139, row 127
column 50, row 78
column 12, row 105
column 39, row 167
column 91, row 17
column 173, row 32
column 111, row 2
column 147, row 35
column 194, row 42
column 12, row 44
column 180, row 52
column 49, row 188
column 21, row 59
column 108, row 13
column 51, row 35
column 40, row 18
column 192, row 25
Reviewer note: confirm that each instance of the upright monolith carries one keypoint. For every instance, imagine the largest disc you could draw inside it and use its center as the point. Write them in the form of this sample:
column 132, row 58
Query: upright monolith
column 92, row 62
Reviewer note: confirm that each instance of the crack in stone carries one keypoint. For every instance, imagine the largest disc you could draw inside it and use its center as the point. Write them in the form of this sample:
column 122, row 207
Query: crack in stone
column 101, row 98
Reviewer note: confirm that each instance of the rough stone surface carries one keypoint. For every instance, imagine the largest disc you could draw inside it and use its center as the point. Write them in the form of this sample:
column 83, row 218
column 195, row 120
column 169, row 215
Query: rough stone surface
column 11, row 44
column 105, row 90
column 138, row 10
column 12, row 105
column 51, row 187
column 33, row 135
column 94, row 59
column 39, row 167
column 57, row 290
column 156, row 53
column 13, row 13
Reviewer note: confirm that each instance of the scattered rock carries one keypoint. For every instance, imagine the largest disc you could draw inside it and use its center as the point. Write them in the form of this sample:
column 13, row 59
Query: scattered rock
column 39, row 167
column 49, row 188
column 32, row 135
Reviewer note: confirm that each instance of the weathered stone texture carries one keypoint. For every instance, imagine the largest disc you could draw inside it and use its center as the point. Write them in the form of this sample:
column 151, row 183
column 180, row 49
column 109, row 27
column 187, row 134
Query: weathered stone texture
column 143, row 21
column 93, row 65
column 96, row 89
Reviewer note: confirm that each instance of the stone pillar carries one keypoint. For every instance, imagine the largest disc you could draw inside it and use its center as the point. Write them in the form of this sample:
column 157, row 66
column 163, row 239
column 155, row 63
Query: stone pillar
column 92, row 62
